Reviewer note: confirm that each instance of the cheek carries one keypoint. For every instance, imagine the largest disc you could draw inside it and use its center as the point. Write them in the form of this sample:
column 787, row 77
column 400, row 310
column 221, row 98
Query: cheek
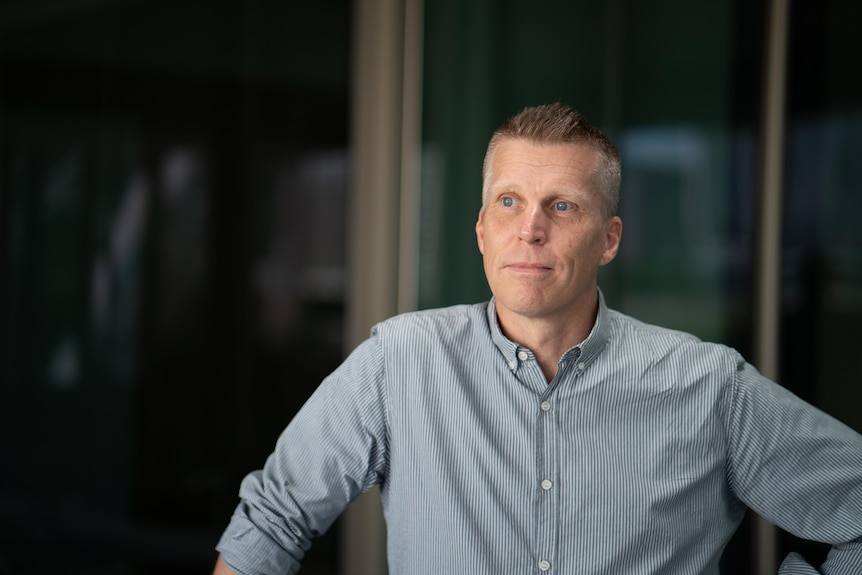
column 489, row 237
column 586, row 247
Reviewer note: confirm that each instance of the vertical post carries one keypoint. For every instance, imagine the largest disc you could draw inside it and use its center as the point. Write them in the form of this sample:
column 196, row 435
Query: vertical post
column 373, row 234
column 383, row 214
column 768, row 294
column 411, row 155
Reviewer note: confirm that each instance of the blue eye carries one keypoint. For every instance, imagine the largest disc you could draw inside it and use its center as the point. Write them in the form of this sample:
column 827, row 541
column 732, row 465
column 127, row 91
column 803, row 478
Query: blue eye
column 508, row 202
column 562, row 206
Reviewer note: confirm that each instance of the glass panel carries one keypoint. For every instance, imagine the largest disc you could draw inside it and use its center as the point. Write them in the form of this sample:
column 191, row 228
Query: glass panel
column 822, row 251
column 172, row 192
column 676, row 84
column 822, row 288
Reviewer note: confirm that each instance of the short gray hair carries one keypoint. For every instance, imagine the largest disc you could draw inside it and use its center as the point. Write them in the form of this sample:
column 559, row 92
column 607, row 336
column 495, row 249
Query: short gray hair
column 559, row 124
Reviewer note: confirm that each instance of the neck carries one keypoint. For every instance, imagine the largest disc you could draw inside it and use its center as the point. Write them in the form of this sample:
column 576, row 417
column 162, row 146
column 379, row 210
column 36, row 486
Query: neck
column 549, row 337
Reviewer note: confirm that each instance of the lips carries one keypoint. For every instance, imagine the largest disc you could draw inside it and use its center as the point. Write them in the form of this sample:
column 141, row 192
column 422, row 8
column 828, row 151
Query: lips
column 527, row 267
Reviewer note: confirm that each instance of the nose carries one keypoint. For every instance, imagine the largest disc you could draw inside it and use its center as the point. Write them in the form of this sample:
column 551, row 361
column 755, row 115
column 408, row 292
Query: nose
column 534, row 226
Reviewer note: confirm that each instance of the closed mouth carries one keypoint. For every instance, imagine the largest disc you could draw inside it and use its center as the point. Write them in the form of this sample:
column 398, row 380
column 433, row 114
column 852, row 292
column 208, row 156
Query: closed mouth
column 527, row 267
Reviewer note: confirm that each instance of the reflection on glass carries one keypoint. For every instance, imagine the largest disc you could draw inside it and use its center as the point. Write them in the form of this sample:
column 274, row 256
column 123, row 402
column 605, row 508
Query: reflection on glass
column 685, row 253
column 822, row 288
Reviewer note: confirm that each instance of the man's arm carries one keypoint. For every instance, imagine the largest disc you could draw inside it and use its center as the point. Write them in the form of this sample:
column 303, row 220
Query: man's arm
column 800, row 469
column 333, row 450
column 222, row 569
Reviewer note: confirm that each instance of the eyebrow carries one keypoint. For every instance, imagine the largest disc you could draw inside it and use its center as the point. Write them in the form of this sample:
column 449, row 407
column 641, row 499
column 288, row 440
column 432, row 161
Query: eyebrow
column 510, row 185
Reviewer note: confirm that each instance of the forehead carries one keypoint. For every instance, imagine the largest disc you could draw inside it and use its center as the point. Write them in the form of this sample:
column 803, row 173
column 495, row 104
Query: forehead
column 518, row 158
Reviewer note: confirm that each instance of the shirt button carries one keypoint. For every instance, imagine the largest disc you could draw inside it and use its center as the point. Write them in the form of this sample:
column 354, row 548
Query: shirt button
column 544, row 565
column 581, row 366
column 523, row 355
column 546, row 406
column 546, row 484
column 512, row 365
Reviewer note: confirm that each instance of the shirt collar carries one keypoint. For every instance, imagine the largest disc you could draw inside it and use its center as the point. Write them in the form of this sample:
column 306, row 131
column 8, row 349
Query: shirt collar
column 585, row 352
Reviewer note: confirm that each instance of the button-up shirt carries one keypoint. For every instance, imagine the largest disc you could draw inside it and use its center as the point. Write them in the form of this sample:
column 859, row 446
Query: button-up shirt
column 639, row 457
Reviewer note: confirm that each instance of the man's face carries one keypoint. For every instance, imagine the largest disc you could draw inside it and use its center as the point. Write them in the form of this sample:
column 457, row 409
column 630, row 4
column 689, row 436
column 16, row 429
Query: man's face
column 543, row 233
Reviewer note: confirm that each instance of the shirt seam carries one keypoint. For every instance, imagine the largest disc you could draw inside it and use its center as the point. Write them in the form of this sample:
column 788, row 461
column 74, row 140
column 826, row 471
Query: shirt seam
column 729, row 425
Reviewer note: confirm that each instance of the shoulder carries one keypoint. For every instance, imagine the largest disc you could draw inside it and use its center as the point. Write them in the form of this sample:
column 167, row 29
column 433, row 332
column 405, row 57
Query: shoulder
column 655, row 344
column 439, row 324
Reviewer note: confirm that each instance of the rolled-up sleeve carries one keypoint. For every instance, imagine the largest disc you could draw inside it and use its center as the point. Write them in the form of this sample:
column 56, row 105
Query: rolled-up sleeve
column 799, row 468
column 332, row 451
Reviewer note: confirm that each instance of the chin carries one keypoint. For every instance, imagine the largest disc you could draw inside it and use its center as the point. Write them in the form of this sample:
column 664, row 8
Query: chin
column 527, row 307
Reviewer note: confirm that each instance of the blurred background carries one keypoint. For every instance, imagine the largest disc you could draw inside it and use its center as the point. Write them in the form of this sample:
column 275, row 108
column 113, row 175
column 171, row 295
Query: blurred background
column 204, row 205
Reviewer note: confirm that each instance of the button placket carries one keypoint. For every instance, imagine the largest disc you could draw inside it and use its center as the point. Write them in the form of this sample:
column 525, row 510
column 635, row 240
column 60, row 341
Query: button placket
column 548, row 502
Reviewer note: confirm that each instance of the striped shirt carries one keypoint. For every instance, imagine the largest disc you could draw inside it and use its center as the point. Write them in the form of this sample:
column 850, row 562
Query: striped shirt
column 639, row 457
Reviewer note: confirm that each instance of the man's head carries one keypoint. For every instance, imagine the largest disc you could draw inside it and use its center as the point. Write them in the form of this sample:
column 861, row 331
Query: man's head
column 557, row 124
column 547, row 222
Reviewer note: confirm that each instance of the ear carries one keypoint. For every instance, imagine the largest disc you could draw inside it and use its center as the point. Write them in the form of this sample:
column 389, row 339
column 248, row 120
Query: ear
column 613, row 235
column 480, row 232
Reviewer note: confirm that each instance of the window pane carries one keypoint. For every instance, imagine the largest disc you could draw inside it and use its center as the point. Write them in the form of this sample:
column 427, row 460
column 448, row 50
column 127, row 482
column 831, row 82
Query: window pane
column 172, row 192
column 821, row 297
column 676, row 85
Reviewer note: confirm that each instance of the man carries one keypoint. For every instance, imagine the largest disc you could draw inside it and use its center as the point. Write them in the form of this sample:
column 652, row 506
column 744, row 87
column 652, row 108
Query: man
column 542, row 432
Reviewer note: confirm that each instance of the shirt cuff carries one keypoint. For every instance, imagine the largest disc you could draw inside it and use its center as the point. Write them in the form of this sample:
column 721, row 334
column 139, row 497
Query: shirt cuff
column 248, row 551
